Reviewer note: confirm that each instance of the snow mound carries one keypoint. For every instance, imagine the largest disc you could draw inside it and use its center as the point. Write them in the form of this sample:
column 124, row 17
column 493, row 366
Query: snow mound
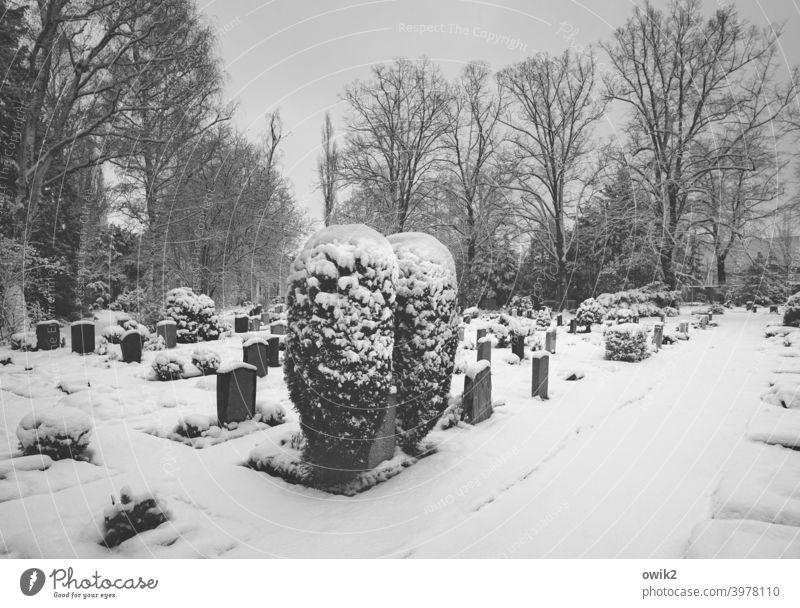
column 230, row 366
column 743, row 538
column 345, row 244
column 473, row 369
column 424, row 250
column 785, row 393
column 776, row 426
column 58, row 432
column 511, row 359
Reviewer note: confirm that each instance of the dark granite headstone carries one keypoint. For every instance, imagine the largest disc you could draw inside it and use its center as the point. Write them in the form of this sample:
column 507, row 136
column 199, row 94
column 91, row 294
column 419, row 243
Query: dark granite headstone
column 559, row 320
column 265, row 318
column 236, row 393
column 273, row 348
column 479, row 333
column 82, row 334
column 773, row 308
column 48, row 335
column 529, row 314
column 168, row 330
column 467, row 319
column 241, row 324
column 477, row 397
column 683, row 327
column 131, row 346
column 485, row 349
column 658, row 335
column 254, row 324
column 384, row 443
column 749, row 305
column 518, row 346
column 573, row 326
column 254, row 352
column 550, row 341
column 540, row 370
column 278, row 328
column 755, row 308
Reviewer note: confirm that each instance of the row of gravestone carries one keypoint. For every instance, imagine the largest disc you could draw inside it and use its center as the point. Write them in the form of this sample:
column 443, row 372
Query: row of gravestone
column 243, row 324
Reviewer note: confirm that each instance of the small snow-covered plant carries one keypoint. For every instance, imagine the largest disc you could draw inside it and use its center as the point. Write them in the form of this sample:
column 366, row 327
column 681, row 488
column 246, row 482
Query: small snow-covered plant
column 272, row 414
column 621, row 315
column 669, row 311
column 338, row 364
column 791, row 314
column 426, row 333
column 112, row 334
column 590, row 312
column 59, row 432
column 207, row 361
column 23, row 341
column 131, row 515
column 168, row 366
column 154, row 342
column 543, row 318
column 626, row 342
column 194, row 314
column 194, row 425
column 102, row 347
column 716, row 308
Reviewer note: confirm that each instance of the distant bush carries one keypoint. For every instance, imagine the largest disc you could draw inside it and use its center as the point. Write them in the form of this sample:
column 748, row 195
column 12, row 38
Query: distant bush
column 626, row 342
column 194, row 314
column 644, row 301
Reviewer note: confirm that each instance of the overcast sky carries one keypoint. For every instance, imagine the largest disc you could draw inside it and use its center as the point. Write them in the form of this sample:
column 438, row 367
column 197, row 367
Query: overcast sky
column 297, row 55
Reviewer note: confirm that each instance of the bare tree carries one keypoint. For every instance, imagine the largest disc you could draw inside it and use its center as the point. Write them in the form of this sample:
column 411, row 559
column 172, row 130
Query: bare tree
column 394, row 137
column 552, row 111
column 328, row 169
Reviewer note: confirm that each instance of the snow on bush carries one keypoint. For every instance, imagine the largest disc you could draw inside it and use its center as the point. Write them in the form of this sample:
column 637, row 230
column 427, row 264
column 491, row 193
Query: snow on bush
column 168, row 366
column 58, row 432
column 626, row 342
column 590, row 312
column 131, row 515
column 621, row 315
column 207, row 361
column 154, row 342
column 543, row 318
column 669, row 311
column 194, row 425
column 194, row 314
column 112, row 334
column 23, row 341
column 506, row 328
column 791, row 314
column 426, row 333
column 272, row 414
column 338, row 363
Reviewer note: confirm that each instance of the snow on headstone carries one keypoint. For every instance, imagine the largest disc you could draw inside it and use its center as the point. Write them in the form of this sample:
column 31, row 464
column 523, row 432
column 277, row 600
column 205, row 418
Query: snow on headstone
column 476, row 401
column 550, row 341
column 278, row 328
column 540, row 371
column 254, row 352
column 82, row 337
column 339, row 343
column 48, row 335
column 236, row 392
column 485, row 349
column 426, row 333
column 168, row 329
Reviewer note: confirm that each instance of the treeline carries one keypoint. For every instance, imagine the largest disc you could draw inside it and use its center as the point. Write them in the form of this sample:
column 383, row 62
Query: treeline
column 595, row 170
column 121, row 173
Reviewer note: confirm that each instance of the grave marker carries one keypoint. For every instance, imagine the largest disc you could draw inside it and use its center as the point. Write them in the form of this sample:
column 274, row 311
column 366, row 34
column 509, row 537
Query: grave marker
column 240, row 324
column 559, row 320
column 273, row 348
column 82, row 335
column 48, row 335
column 461, row 334
column 168, row 330
column 773, row 308
column 383, row 444
column 236, row 392
column 540, row 370
column 477, row 397
column 254, row 324
column 131, row 346
column 254, row 352
column 550, row 341
column 573, row 326
column 278, row 328
column 518, row 346
column 658, row 335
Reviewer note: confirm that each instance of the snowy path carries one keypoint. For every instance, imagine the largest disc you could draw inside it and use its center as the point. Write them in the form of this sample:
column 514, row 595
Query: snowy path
column 621, row 463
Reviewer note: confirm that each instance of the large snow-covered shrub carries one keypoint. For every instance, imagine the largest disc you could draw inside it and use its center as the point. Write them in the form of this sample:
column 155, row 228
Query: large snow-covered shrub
column 626, row 342
column 131, row 515
column 58, row 432
column 112, row 333
column 338, row 364
column 791, row 314
column 644, row 301
column 590, row 312
column 207, row 361
column 194, row 314
column 23, row 341
column 426, row 333
column 168, row 366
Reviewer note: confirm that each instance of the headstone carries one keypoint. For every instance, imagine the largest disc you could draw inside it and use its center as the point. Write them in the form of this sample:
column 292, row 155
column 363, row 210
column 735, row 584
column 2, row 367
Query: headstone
column 479, row 334
column 662, row 317
column 254, row 352
column 168, row 330
column 559, row 320
column 703, row 321
column 529, row 314
column 709, row 315
column 467, row 319
column 550, row 341
column 278, row 328
column 485, row 349
column 755, row 308
column 573, row 326
column 265, row 318
column 131, row 346
column 48, row 335
column 384, row 443
column 514, row 312
column 461, row 334
column 82, row 334
column 236, row 392
column 273, row 348
column 241, row 324
column 683, row 327
column 658, row 335
column 253, row 324
column 477, row 398
column 540, row 370
column 749, row 305
column 773, row 308
column 518, row 346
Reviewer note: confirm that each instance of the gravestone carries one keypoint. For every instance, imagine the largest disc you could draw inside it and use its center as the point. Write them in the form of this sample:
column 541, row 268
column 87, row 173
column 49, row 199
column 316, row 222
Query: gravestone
column 254, row 352
column 773, row 308
column 529, row 314
column 265, row 318
column 540, row 370
column 467, row 319
column 550, row 341
column 755, row 308
column 131, row 346
column 573, row 326
column 168, row 330
column 277, row 328
column 240, row 324
column 559, row 320
column 709, row 315
column 82, row 334
column 479, row 334
column 48, row 335
column 658, row 335
column 273, row 348
column 383, row 444
column 683, row 327
column 662, row 317
column 236, row 392
column 485, row 349
column 518, row 346
column 703, row 321
column 461, row 334
column 477, row 398
column 749, row 305
column 514, row 312
column 253, row 324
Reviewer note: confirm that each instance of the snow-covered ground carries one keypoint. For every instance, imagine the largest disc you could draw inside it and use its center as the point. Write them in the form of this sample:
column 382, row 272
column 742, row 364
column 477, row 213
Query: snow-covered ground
column 649, row 459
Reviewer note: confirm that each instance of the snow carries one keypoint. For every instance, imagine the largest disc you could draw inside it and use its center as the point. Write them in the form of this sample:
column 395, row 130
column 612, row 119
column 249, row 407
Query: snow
column 231, row 366
column 422, row 247
column 254, row 340
column 82, row 322
column 166, row 322
column 631, row 461
column 344, row 244
column 473, row 369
